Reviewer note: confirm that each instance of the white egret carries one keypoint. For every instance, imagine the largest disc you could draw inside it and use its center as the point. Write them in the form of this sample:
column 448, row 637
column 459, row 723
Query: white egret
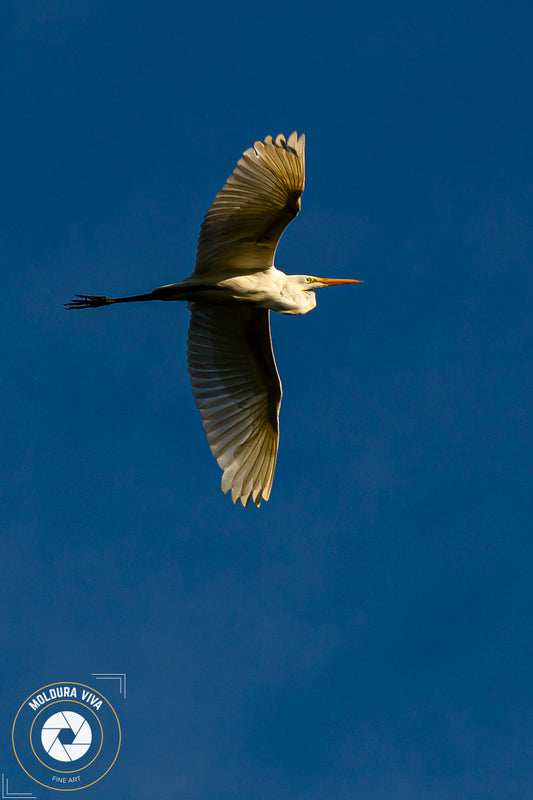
column 231, row 292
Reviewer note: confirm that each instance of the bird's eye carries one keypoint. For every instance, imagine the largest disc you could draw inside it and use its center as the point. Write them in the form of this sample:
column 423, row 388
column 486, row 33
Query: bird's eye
column 310, row 280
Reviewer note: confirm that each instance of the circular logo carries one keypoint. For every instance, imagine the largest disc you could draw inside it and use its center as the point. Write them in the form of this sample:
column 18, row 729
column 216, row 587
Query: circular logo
column 78, row 740
column 66, row 736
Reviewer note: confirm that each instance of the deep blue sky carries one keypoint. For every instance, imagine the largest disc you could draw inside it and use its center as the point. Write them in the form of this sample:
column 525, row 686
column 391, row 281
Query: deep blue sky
column 367, row 633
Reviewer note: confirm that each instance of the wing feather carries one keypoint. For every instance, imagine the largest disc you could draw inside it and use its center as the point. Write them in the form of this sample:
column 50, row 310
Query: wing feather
column 244, row 224
column 237, row 390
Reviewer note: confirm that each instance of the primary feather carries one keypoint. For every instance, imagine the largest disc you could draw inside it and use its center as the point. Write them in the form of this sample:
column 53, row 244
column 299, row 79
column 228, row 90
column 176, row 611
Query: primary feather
column 237, row 390
column 243, row 226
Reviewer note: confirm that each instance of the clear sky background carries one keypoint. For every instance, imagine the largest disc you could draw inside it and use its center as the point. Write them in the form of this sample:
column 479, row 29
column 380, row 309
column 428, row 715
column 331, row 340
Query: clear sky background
column 368, row 632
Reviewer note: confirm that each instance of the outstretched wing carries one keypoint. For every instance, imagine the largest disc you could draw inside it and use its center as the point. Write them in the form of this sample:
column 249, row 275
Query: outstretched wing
column 242, row 228
column 237, row 390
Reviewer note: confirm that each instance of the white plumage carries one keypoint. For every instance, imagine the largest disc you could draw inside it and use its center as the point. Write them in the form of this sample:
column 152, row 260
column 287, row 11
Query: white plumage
column 234, row 379
column 237, row 391
column 243, row 226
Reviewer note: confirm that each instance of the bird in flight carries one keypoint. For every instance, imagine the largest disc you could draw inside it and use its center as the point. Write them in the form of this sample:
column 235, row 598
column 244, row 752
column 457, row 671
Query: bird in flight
column 234, row 286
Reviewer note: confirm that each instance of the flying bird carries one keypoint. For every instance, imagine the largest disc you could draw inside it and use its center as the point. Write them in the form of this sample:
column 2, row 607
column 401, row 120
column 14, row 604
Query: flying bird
column 234, row 286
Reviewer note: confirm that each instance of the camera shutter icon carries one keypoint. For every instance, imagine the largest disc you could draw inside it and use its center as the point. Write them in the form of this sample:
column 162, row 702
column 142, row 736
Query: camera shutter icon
column 66, row 736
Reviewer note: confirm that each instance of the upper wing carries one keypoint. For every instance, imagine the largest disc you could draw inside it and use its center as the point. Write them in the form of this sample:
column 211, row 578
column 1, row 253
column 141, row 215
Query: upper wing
column 242, row 228
column 236, row 388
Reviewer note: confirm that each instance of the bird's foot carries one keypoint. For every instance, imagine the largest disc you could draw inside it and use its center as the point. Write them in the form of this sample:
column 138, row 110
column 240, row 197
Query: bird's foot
column 88, row 301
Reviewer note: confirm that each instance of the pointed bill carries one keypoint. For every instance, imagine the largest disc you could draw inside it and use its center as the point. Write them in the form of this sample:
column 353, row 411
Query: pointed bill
column 337, row 281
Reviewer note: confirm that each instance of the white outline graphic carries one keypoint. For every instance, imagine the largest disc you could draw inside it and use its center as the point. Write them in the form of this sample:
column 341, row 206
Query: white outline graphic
column 6, row 793
column 106, row 676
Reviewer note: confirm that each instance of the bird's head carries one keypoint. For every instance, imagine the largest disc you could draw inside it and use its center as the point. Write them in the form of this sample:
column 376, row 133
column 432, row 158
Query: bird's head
column 310, row 283
column 298, row 293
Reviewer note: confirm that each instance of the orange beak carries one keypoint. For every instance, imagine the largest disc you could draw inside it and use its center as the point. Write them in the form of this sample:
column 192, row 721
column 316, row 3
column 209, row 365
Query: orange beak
column 337, row 281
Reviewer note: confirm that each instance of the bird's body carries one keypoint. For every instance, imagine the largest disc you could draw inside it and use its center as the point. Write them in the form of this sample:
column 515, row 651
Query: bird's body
column 266, row 288
column 234, row 287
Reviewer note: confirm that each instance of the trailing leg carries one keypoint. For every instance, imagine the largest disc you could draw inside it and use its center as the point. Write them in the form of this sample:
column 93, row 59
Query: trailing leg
column 95, row 300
